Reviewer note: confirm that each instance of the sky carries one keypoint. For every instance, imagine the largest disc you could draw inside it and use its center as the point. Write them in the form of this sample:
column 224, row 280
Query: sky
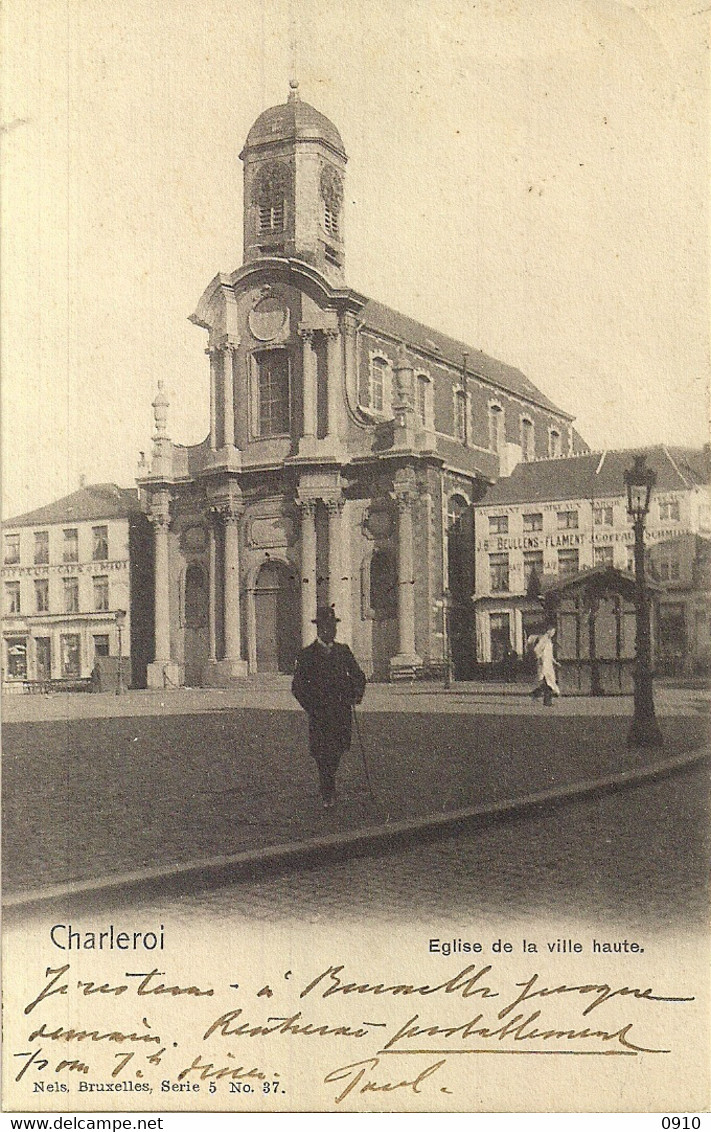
column 531, row 178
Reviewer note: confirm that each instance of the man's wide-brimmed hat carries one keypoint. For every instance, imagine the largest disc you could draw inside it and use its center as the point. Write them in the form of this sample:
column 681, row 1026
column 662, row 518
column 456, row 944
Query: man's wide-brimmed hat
column 325, row 615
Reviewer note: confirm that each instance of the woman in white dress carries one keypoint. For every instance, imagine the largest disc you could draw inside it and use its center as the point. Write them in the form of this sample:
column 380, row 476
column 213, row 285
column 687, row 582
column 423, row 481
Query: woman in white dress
column 546, row 665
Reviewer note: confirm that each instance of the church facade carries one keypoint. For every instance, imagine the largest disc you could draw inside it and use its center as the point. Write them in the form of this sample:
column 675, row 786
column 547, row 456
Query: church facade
column 347, row 447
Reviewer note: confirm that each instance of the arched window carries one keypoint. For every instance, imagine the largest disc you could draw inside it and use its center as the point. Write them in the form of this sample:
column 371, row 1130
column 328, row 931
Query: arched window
column 527, row 440
column 195, row 597
column 460, row 416
column 271, row 416
column 383, row 586
column 555, row 445
column 423, row 406
column 378, row 383
column 496, row 428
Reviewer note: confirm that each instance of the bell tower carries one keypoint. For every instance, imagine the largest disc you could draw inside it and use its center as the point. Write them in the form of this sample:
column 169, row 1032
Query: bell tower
column 294, row 166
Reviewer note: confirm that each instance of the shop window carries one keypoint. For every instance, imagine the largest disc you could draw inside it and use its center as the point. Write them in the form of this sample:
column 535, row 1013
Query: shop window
column 500, row 635
column 41, row 595
column 498, row 524
column 16, row 658
column 70, row 652
column 528, row 450
column 12, row 550
column 567, row 520
column 567, row 563
column 101, row 644
column 71, row 595
column 499, row 573
column 603, row 516
column 12, row 597
column 533, row 521
column 603, row 556
column 41, row 555
column 71, row 546
column 101, row 594
column 272, row 417
column 100, row 543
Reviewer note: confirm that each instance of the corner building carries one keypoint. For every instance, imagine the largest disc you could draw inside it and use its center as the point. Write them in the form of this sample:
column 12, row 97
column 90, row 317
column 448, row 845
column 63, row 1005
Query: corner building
column 347, row 446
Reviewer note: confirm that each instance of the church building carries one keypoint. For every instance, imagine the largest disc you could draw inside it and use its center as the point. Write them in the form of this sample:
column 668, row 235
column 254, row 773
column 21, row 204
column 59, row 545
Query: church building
column 347, row 446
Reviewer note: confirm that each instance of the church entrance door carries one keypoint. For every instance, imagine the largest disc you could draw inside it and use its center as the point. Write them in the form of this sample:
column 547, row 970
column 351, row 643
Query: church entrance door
column 277, row 618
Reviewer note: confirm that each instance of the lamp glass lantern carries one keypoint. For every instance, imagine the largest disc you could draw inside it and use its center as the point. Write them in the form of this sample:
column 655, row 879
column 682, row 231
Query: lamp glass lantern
column 639, row 481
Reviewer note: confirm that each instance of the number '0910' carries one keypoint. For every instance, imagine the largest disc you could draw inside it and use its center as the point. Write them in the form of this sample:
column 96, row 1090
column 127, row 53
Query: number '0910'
column 681, row 1122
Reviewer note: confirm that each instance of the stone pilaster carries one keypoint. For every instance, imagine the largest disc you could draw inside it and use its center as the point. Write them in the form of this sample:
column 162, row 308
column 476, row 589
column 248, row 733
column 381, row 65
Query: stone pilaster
column 308, row 570
column 228, row 512
column 334, row 367
column 308, row 443
column 407, row 657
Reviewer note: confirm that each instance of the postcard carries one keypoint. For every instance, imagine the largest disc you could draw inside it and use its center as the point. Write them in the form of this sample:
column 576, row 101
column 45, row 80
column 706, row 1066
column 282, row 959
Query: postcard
column 356, row 557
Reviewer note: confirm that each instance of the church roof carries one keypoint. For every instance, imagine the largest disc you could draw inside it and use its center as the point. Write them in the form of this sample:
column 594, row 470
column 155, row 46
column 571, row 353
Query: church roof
column 595, row 475
column 376, row 316
column 96, row 501
column 291, row 121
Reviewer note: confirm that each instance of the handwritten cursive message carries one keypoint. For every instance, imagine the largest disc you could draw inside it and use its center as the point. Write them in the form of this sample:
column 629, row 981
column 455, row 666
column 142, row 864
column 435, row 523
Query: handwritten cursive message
column 363, row 1034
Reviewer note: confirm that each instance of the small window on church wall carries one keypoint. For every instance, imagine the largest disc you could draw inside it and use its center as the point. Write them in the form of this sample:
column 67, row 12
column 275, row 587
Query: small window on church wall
column 555, row 445
column 272, row 408
column 460, row 417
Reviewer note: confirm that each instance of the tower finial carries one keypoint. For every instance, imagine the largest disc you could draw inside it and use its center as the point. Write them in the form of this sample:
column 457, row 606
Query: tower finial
column 293, row 90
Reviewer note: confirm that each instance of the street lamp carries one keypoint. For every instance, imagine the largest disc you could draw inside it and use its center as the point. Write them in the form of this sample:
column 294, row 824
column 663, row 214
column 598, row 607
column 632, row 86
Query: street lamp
column 120, row 616
column 644, row 732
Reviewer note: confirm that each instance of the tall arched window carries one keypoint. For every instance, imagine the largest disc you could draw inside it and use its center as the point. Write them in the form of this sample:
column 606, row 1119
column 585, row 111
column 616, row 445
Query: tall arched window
column 555, row 445
column 460, row 416
column 378, row 383
column 527, row 440
column 271, row 416
column 424, row 408
column 496, row 428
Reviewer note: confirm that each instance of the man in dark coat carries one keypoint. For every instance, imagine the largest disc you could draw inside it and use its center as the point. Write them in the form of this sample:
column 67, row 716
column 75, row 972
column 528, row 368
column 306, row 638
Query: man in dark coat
column 327, row 683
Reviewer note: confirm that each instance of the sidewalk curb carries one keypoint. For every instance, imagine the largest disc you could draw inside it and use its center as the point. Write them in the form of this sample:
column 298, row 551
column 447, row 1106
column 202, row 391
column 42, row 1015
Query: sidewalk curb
column 340, row 846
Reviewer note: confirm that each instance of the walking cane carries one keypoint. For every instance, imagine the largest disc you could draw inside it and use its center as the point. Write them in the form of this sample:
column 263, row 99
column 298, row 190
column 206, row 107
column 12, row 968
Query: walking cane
column 364, row 760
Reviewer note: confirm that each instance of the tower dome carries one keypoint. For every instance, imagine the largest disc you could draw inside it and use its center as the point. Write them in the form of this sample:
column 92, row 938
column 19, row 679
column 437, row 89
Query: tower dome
column 294, row 165
column 292, row 121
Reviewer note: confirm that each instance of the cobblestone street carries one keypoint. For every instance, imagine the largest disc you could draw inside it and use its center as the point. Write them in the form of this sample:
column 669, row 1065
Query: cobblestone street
column 123, row 793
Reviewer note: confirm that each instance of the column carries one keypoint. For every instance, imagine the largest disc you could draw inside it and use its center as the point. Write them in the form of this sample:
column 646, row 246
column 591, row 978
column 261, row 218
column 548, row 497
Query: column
column 335, row 570
column 212, row 354
column 212, row 591
column 310, row 379
column 162, row 587
column 162, row 672
column 334, row 368
column 233, row 638
column 406, row 584
column 229, row 383
column 308, row 570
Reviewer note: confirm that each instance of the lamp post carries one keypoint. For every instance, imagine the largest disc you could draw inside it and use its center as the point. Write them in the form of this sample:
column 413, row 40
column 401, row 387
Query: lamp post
column 644, row 732
column 120, row 616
